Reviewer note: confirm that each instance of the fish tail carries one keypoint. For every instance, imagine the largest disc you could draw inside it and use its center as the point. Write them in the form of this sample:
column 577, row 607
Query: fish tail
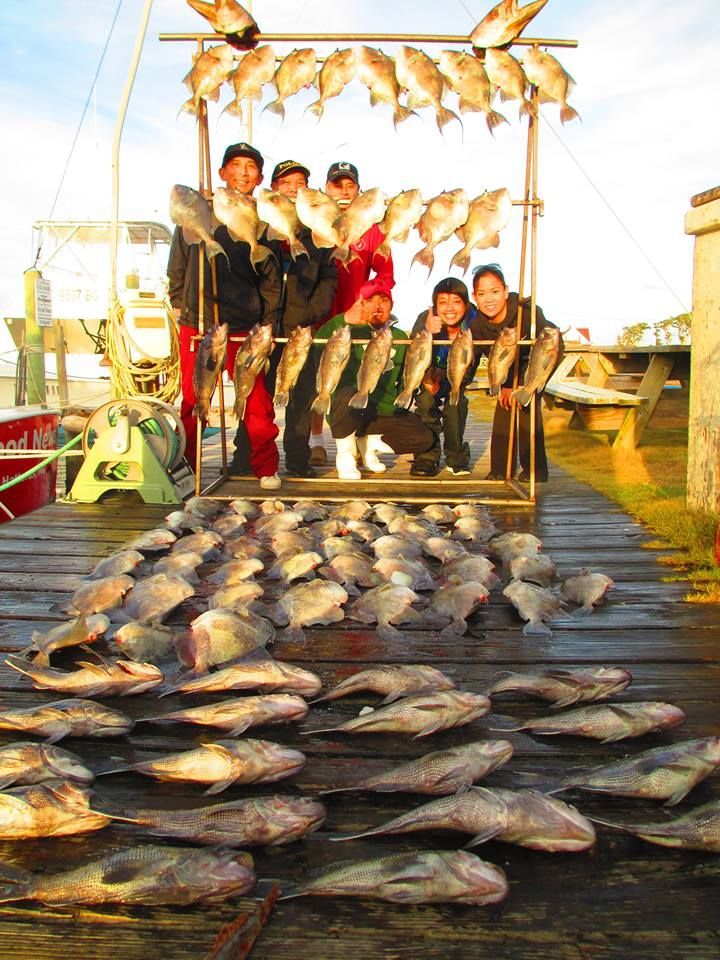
column 404, row 399
column 494, row 390
column 461, row 259
column 494, row 119
column 505, row 724
column 321, row 403
column 401, row 113
column 19, row 664
column 359, row 401
column 281, row 398
column 341, row 253
column 444, row 116
column 426, row 257
column 260, row 253
column 190, row 106
column 538, row 629
column 318, row 108
column 454, row 398
column 239, row 408
column 276, row 106
column 213, row 248
column 200, row 410
column 527, row 108
column 523, row 396
column 234, row 108
column 384, row 250
column 567, row 113
column 580, row 612
column 16, row 882
column 297, row 248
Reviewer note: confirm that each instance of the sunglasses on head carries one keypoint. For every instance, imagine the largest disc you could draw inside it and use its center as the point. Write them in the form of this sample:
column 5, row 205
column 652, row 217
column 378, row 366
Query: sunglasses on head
column 488, row 267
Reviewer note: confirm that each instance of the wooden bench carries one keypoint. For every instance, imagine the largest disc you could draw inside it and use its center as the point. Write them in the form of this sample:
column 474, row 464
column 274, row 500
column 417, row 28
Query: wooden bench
column 595, row 407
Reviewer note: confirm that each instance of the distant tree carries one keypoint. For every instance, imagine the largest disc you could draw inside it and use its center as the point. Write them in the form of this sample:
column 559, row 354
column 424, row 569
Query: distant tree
column 674, row 329
column 632, row 335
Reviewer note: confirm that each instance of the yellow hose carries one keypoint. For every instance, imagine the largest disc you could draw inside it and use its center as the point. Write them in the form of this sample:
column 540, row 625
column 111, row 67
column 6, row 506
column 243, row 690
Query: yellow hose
column 152, row 378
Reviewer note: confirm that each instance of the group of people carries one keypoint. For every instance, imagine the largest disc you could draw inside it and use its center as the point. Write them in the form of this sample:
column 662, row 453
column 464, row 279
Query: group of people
column 318, row 291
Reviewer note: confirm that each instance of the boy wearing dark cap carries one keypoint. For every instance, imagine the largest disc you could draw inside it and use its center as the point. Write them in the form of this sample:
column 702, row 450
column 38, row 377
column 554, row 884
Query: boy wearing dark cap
column 343, row 185
column 450, row 313
column 380, row 427
column 244, row 295
column 308, row 290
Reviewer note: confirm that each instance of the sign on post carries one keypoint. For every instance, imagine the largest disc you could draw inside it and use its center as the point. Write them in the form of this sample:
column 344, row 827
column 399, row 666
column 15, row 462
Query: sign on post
column 43, row 302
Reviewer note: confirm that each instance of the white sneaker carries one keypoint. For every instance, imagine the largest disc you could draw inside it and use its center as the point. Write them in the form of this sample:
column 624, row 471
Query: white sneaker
column 271, row 482
column 345, row 462
column 459, row 471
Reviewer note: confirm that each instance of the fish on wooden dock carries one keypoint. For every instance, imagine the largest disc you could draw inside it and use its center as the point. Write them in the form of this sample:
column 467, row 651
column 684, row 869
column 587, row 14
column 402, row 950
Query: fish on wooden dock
column 394, row 681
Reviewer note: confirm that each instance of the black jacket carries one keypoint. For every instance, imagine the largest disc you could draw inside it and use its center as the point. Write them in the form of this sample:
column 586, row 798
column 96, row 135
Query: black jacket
column 244, row 296
column 309, row 286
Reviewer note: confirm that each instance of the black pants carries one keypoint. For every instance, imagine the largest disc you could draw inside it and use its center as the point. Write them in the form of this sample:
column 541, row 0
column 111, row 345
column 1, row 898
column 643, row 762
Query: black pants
column 448, row 422
column 403, row 431
column 499, row 442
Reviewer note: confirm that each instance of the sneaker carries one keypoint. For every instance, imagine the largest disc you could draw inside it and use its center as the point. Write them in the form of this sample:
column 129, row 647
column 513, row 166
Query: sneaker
column 304, row 472
column 270, row 482
column 238, row 468
column 424, row 470
column 495, row 476
column 524, row 477
column 318, row 455
column 458, row 471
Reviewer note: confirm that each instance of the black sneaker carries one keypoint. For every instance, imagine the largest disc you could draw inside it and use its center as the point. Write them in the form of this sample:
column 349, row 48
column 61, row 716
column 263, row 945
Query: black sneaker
column 495, row 476
column 524, row 477
column 425, row 469
column 303, row 472
column 236, row 468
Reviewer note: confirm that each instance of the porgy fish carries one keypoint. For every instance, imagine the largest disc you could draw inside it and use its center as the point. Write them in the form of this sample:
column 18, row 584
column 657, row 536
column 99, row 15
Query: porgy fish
column 121, row 678
column 488, row 215
column 231, row 18
column 534, row 604
column 335, row 74
column 417, row 360
column 543, row 358
column 377, row 72
column 83, row 629
column 440, row 773
column 606, row 722
column 562, row 688
column 666, row 773
column 419, row 877
column 319, row 213
column 57, row 809
column 317, row 602
column 417, row 73
column 510, row 545
column 124, row 561
column 209, row 71
column 301, row 566
column 540, row 569
column 444, row 550
column 333, row 361
column 153, row 599
column 236, row 571
column 279, row 212
column 143, row 642
column 554, row 84
column 294, row 357
column 257, row 671
column 253, row 71
column 219, row 635
column 238, row 715
column 367, row 209
column 504, row 23
column 460, row 358
column 457, row 602
column 206, row 544
column 375, row 362
column 97, row 596
column 464, row 569
column 296, row 71
column 444, row 214
column 140, row 875
column 501, row 359
column 191, row 212
column 414, row 574
column 251, row 359
column 476, row 529
column 392, row 681
column 239, row 214
column 421, row 715
column 65, row 718
column 587, row 589
column 698, row 829
column 209, row 362
column 25, row 763
column 265, row 821
column 387, row 604
column 403, row 212
column 467, row 77
column 350, row 569
column 223, row 763
column 507, row 75
column 151, row 541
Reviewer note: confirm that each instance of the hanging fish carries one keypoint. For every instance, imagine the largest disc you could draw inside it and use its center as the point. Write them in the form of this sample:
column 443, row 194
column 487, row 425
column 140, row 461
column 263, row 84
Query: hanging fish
column 505, row 22
column 209, row 72
column 255, row 69
column 296, row 71
column 335, row 74
column 230, row 18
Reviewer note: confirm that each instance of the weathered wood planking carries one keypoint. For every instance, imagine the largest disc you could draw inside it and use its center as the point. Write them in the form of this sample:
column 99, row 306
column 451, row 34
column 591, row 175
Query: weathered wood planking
column 625, row 898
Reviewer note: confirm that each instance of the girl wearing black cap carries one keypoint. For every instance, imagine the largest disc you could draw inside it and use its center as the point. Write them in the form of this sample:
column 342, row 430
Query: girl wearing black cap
column 451, row 312
column 497, row 309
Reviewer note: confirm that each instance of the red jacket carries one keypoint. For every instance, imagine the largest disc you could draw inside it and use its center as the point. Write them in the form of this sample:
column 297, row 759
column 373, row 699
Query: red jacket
column 352, row 275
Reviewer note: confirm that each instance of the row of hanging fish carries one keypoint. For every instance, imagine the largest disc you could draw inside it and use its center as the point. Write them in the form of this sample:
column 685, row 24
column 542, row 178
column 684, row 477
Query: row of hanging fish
column 476, row 222
column 475, row 80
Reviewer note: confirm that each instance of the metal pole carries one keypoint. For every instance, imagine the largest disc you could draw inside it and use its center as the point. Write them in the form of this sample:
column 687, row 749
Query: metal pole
column 116, row 147
column 420, row 38
column 533, row 285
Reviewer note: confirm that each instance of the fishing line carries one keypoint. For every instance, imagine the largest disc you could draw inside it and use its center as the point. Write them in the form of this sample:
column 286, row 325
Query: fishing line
column 609, row 206
column 82, row 118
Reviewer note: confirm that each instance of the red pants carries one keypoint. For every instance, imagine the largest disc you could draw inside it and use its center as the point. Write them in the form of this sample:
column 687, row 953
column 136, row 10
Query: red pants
column 259, row 418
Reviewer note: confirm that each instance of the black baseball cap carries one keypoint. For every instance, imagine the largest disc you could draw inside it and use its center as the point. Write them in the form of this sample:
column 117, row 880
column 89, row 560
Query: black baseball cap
column 289, row 166
column 243, row 150
column 343, row 169
column 451, row 285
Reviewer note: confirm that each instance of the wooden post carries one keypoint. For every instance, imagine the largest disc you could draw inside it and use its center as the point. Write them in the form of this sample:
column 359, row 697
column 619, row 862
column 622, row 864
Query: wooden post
column 34, row 342
column 703, row 481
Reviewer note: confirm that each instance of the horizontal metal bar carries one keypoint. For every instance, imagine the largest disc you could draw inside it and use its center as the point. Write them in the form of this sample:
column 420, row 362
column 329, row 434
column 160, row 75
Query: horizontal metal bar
column 366, row 38
column 405, row 340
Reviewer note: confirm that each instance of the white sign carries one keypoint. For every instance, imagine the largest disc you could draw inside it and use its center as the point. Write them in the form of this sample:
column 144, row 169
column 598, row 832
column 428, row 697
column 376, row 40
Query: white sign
column 43, row 303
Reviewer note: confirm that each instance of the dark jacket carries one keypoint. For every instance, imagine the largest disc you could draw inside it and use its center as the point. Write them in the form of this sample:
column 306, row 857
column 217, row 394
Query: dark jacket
column 483, row 329
column 244, row 296
column 309, row 286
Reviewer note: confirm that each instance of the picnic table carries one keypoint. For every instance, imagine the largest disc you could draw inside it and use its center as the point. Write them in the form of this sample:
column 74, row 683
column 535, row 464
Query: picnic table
column 656, row 364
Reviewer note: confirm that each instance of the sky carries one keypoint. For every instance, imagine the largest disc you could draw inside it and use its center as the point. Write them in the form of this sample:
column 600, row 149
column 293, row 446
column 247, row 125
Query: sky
column 616, row 185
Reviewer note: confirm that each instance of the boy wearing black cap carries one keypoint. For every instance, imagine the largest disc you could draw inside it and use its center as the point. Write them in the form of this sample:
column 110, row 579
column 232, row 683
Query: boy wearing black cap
column 308, row 292
column 343, row 186
column 450, row 313
column 245, row 295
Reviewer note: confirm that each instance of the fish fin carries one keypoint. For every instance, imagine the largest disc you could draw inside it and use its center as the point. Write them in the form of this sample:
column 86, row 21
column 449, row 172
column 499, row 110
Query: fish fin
column 404, row 399
column 321, row 404
column 219, row 786
column 240, row 728
column 568, row 701
column 234, row 109
column 454, row 398
column 536, row 629
column 456, row 628
column 494, row 119
column 487, row 834
column 384, row 250
column 281, row 398
column 679, row 795
column 276, row 106
column 359, row 401
column 19, row 664
column 527, row 108
column 444, row 116
column 310, row 733
column 318, row 108
column 261, row 253
column 53, row 738
column 494, row 679
column 297, row 249
column 239, row 407
column 292, row 635
column 426, row 257
column 401, row 113
column 522, row 396
column 506, row 724
column 567, row 113
column 467, row 106
column 582, row 612
column 461, row 259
